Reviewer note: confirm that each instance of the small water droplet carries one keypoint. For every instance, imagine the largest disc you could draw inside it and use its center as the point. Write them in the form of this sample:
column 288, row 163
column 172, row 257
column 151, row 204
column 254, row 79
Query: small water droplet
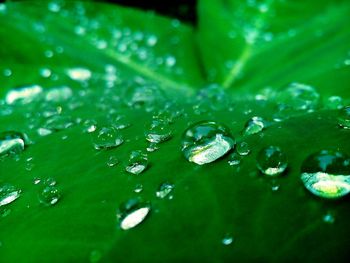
column 327, row 174
column 8, row 194
column 132, row 213
column 271, row 161
column 300, row 97
column 106, row 138
column 138, row 162
column 227, row 240
column 112, row 161
column 243, row 148
column 234, row 159
column 159, row 131
column 328, row 218
column 49, row 195
column 254, row 125
column 58, row 94
column 344, row 117
column 164, row 190
column 11, row 142
column 138, row 188
column 206, row 141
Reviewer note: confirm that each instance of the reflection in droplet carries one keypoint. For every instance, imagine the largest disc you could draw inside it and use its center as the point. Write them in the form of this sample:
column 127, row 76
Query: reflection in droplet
column 8, row 194
column 271, row 161
column 327, row 174
column 132, row 213
column 206, row 141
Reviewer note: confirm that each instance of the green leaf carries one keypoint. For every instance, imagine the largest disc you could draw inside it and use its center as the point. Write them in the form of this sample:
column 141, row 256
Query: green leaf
column 122, row 70
column 272, row 43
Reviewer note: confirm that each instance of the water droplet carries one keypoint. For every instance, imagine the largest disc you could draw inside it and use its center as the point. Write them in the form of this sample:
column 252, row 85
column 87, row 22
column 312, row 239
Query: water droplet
column 254, row 125
column 49, row 195
column 206, row 141
column 234, row 159
column 227, row 240
column 159, row 131
column 328, row 218
column 164, row 190
column 58, row 94
column 8, row 194
column 334, row 103
column 58, row 123
column 11, row 142
column 152, row 40
column 327, row 174
column 106, row 138
column 243, row 148
column 271, row 161
column 112, row 161
column 23, row 95
column 170, row 61
column 138, row 162
column 132, row 213
column 344, row 117
column 300, row 97
column 138, row 188
column 79, row 74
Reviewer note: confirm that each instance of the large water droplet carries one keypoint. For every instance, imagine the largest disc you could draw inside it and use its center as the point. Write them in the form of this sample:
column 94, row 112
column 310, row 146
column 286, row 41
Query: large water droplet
column 11, row 142
column 8, row 194
column 138, row 162
column 271, row 161
column 132, row 213
column 23, row 95
column 344, row 117
column 254, row 125
column 206, row 141
column 49, row 195
column 106, row 138
column 327, row 174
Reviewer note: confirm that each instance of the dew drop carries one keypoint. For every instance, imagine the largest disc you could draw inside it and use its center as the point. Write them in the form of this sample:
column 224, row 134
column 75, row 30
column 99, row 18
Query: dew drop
column 328, row 218
column 106, row 138
column 344, row 118
column 300, row 97
column 243, row 148
column 234, row 159
column 11, row 142
column 206, row 141
column 164, row 190
column 112, row 161
column 132, row 213
column 327, row 174
column 58, row 94
column 159, row 131
column 49, row 195
column 23, row 95
column 254, row 125
column 8, row 194
column 227, row 240
column 271, row 161
column 138, row 162
column 79, row 74
column 138, row 188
